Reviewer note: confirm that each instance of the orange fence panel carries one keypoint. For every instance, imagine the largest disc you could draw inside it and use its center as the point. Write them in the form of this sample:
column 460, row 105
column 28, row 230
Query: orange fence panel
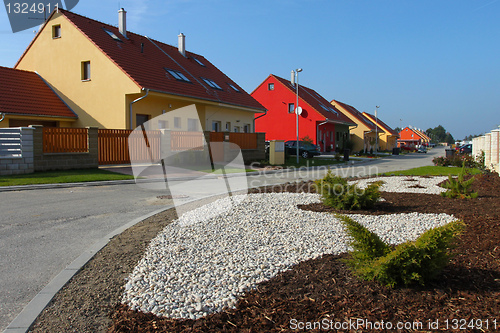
column 181, row 141
column 65, row 140
column 216, row 136
column 244, row 140
column 114, row 146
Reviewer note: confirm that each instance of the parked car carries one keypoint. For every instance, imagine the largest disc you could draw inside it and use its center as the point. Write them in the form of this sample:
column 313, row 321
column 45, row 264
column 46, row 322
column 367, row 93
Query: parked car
column 465, row 149
column 421, row 149
column 306, row 149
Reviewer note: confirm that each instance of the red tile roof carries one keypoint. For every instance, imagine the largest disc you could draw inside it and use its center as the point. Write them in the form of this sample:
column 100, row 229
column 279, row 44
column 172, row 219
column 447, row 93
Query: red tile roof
column 145, row 61
column 380, row 123
column 317, row 102
column 25, row 93
column 356, row 114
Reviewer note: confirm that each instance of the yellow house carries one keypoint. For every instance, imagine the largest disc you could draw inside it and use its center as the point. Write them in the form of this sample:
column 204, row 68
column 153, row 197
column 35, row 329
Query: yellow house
column 388, row 139
column 112, row 78
column 363, row 135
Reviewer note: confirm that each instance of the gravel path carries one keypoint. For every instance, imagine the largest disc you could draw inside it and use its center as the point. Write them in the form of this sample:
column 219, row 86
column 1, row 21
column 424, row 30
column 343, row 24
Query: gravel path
column 200, row 265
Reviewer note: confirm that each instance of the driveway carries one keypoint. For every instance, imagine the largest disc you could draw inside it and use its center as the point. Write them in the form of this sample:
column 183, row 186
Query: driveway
column 43, row 231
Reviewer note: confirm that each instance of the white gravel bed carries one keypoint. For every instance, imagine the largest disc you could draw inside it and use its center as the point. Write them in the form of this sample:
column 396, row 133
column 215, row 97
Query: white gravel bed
column 192, row 269
column 400, row 184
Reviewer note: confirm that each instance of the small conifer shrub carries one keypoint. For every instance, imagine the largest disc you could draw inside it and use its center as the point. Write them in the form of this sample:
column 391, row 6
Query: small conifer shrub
column 412, row 262
column 459, row 188
column 337, row 193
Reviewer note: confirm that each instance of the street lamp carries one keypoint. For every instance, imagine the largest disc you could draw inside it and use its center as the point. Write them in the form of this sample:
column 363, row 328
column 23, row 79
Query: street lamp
column 295, row 80
column 376, row 129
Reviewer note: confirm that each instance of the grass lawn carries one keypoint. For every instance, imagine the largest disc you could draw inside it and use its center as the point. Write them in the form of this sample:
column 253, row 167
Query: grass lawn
column 291, row 161
column 430, row 171
column 63, row 176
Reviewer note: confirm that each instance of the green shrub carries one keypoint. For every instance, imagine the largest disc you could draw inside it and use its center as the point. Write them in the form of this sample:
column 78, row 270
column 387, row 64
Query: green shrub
column 458, row 160
column 413, row 262
column 337, row 193
column 459, row 188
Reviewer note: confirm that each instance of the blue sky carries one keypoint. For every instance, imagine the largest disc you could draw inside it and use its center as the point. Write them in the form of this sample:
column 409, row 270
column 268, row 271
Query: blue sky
column 425, row 62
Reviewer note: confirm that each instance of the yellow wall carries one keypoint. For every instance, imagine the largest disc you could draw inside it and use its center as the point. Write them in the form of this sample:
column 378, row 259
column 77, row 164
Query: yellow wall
column 62, row 122
column 98, row 102
column 156, row 103
column 357, row 134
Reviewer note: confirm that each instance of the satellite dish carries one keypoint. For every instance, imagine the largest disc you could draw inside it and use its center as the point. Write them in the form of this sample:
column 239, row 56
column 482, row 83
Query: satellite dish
column 298, row 110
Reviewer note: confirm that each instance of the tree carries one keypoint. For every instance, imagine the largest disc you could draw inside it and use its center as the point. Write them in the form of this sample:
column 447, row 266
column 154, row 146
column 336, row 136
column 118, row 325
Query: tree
column 439, row 134
column 397, row 129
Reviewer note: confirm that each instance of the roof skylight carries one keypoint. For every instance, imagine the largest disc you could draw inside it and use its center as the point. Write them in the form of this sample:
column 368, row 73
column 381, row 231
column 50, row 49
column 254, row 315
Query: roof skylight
column 232, row 86
column 112, row 35
column 211, row 83
column 177, row 75
column 199, row 62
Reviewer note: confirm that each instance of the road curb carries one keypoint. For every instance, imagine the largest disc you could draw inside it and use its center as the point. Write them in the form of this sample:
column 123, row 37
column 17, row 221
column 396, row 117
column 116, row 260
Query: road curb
column 24, row 320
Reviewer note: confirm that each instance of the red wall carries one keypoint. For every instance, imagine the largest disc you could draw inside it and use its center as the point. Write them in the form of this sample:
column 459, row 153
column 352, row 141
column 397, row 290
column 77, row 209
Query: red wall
column 278, row 124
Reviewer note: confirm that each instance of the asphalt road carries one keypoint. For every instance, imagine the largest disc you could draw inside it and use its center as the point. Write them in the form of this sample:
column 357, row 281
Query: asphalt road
column 43, row 231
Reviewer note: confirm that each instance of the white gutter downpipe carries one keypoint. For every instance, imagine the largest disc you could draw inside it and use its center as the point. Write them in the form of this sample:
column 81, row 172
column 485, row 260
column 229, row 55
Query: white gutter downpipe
column 130, row 107
column 122, row 22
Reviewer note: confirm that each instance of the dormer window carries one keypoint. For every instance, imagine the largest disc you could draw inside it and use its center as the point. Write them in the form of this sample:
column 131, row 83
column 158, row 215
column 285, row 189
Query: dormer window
column 112, row 35
column 56, row 31
column 199, row 62
column 177, row 75
column 211, row 83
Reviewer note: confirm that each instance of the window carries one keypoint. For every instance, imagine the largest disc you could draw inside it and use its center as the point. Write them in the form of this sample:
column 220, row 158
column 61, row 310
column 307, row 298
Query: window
column 177, row 122
column 112, row 35
column 85, row 70
column 140, row 119
column 291, row 107
column 234, row 88
column 192, row 125
column 56, row 31
column 331, row 136
column 216, row 126
column 199, row 62
column 236, row 129
column 177, row 75
column 162, row 124
column 228, row 127
column 246, row 128
column 338, row 136
column 211, row 83
column 270, row 86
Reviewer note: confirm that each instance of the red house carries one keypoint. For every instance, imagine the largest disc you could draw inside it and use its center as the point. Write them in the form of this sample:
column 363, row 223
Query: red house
column 319, row 120
column 411, row 137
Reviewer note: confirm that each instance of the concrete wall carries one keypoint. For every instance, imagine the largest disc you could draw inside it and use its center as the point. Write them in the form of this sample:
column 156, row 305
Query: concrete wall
column 16, row 151
column 490, row 145
column 65, row 161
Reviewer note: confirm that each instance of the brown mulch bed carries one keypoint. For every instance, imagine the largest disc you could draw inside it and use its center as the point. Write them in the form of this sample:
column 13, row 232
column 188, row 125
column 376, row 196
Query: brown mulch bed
column 321, row 290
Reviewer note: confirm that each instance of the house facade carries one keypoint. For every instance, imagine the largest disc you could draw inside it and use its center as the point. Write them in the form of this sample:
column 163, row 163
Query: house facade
column 363, row 135
column 324, row 124
column 412, row 137
column 26, row 99
column 113, row 78
column 387, row 136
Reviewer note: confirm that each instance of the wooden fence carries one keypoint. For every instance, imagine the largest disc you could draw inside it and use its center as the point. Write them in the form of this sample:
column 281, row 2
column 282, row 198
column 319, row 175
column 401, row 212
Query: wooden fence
column 244, row 140
column 180, row 141
column 65, row 140
column 114, row 146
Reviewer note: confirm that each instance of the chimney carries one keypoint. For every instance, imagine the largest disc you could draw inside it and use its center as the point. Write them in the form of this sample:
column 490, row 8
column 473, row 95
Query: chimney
column 182, row 44
column 122, row 22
